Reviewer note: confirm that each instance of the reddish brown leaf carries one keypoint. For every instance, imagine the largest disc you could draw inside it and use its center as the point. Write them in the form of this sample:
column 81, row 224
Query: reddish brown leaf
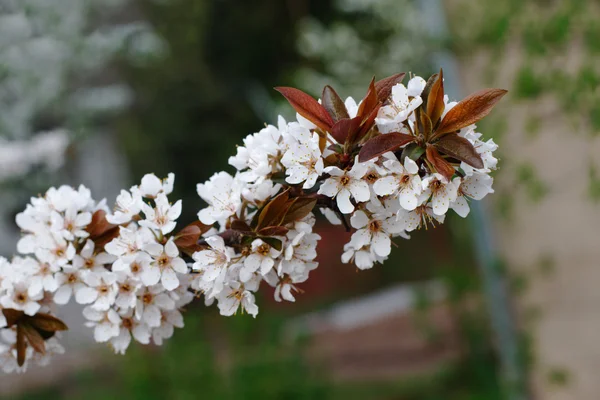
column 272, row 214
column 34, row 338
column 345, row 128
column 299, row 209
column 369, row 103
column 427, row 89
column 435, row 100
column 366, row 125
column 334, row 104
column 382, row 144
column 47, row 323
column 385, row 85
column 469, row 110
column 21, row 345
column 441, row 166
column 425, row 124
column 273, row 231
column 12, row 316
column 459, row 148
column 101, row 231
column 239, row 225
column 308, row 107
column 231, row 237
column 104, row 239
column 99, row 225
column 188, row 237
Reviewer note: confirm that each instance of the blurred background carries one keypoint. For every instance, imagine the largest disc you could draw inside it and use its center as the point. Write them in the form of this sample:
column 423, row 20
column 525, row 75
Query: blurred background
column 502, row 305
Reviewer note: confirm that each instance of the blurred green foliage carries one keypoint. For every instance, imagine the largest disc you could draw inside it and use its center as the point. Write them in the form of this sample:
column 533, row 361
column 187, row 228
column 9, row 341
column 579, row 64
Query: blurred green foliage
column 533, row 186
column 528, row 83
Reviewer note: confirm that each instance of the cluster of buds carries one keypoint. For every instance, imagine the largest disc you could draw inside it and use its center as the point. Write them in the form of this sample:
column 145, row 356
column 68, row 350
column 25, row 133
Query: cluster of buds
column 395, row 162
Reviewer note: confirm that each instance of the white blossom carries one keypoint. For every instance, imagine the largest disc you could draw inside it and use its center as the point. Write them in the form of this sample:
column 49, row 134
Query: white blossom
column 150, row 301
column 236, row 296
column 165, row 265
column 345, row 184
column 106, row 323
column 403, row 180
column 475, row 186
column 403, row 102
column 261, row 259
column 163, row 217
column 442, row 191
column 223, row 197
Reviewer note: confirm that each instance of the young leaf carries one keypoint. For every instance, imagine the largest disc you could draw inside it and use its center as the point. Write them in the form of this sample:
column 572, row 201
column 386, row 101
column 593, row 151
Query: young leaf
column 345, row 128
column 382, row 144
column 435, row 100
column 334, row 104
column 299, row 209
column 34, row 338
column 369, row 103
column 470, row 110
column 412, row 151
column 272, row 214
column 425, row 125
column 273, row 242
column 459, row 148
column 427, row 89
column 308, row 107
column 273, row 231
column 442, row 166
column 385, row 85
column 47, row 323
column 366, row 125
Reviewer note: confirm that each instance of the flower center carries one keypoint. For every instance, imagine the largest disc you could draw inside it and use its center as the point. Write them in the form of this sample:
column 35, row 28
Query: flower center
column 161, row 220
column 89, row 263
column 127, row 323
column 148, row 298
column 135, row 268
column 375, row 226
column 372, row 177
column 45, row 269
column 405, row 179
column 163, row 261
column 437, row 185
column 264, row 249
column 309, row 165
column 345, row 180
column 21, row 298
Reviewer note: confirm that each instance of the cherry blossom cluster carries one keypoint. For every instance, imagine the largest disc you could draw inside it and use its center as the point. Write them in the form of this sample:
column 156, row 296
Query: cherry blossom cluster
column 120, row 267
column 392, row 163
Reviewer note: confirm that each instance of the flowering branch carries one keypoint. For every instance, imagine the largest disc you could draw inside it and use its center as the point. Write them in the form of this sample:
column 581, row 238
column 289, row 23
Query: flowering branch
column 393, row 163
